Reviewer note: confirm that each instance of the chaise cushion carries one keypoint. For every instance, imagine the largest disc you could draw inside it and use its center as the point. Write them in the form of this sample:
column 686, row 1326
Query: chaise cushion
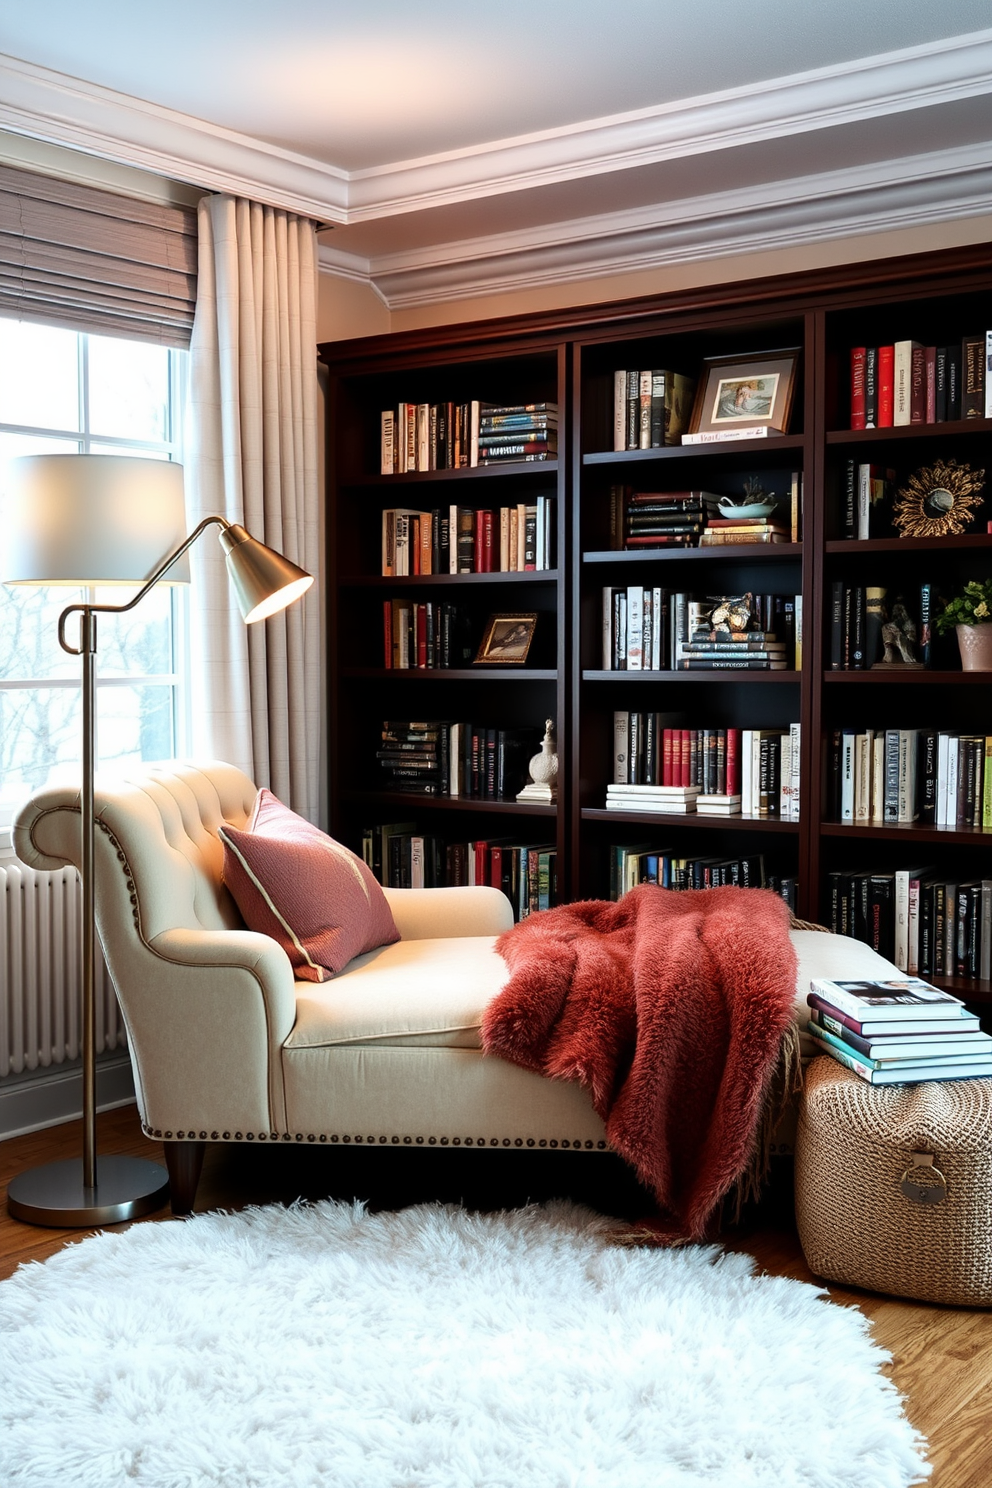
column 294, row 883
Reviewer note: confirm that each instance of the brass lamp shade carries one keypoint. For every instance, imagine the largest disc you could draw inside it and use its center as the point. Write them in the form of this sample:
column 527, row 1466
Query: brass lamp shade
column 264, row 581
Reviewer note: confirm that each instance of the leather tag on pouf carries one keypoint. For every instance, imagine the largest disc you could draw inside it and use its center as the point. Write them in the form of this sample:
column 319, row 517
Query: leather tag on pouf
column 923, row 1182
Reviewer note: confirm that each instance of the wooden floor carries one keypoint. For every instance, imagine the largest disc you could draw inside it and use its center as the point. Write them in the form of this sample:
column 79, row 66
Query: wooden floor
column 942, row 1357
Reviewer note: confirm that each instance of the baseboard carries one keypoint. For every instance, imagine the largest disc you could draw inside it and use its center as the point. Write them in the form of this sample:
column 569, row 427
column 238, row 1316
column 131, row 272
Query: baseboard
column 48, row 1097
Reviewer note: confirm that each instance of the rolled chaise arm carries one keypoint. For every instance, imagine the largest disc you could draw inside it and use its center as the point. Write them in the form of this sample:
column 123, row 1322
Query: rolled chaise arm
column 439, row 914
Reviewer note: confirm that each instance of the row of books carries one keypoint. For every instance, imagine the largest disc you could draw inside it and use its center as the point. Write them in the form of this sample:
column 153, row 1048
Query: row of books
column 936, row 777
column 653, row 629
column 713, row 771
column 871, row 625
column 506, row 539
column 691, row 519
column 403, row 857
column 867, row 494
column 631, row 865
column 471, row 760
column 910, row 383
column 897, row 1032
column 650, row 409
column 928, row 925
column 458, row 436
column 429, row 635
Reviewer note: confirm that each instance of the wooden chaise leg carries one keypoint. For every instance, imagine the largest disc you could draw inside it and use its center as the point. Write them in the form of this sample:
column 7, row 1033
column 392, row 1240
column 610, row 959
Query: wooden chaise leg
column 184, row 1161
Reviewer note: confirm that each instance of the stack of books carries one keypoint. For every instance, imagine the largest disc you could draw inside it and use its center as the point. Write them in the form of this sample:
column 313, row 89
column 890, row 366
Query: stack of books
column 725, row 531
column 918, row 918
column 438, row 758
column 520, row 431
column 897, row 1032
column 716, row 643
column 650, row 409
column 907, row 775
column 908, row 382
column 645, row 863
column 658, row 519
column 676, row 800
column 403, row 856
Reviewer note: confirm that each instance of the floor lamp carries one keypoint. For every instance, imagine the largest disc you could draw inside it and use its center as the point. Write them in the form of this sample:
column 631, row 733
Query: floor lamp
column 94, row 520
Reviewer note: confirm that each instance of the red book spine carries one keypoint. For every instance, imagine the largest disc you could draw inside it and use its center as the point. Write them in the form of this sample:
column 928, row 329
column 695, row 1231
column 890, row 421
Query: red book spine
column 479, row 544
column 918, row 386
column 387, row 619
column 666, row 757
column 886, row 385
column 421, row 622
column 685, row 773
column 496, row 866
column 480, row 862
column 858, row 387
column 733, row 762
column 486, row 522
column 415, row 545
column 931, row 373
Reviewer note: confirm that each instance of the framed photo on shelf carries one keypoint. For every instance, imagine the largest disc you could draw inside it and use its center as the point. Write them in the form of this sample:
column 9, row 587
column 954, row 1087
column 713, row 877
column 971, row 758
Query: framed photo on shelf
column 746, row 392
column 506, row 640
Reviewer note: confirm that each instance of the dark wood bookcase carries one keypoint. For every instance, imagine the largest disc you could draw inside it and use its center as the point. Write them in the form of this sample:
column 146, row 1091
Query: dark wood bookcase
column 571, row 357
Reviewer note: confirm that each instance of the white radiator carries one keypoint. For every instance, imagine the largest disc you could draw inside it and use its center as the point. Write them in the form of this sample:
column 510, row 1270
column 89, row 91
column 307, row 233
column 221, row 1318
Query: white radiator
column 39, row 972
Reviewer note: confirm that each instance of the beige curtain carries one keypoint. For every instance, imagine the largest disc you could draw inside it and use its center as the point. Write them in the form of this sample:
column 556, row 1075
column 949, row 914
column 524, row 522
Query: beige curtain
column 252, row 457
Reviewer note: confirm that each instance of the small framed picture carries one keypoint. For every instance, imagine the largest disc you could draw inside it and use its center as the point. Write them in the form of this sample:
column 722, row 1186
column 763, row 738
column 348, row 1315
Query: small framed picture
column 506, row 640
column 746, row 392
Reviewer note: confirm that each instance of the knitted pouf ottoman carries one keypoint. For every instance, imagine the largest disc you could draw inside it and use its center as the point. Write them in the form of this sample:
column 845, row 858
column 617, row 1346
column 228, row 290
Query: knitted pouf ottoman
column 894, row 1185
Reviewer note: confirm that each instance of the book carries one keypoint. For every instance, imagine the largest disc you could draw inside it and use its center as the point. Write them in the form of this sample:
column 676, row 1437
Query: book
column 973, row 376
column 889, row 1046
column 727, row 436
column 902, row 997
column 907, row 1073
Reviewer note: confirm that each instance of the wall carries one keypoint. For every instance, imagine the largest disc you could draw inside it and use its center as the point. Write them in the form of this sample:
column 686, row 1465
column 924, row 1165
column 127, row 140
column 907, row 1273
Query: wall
column 351, row 308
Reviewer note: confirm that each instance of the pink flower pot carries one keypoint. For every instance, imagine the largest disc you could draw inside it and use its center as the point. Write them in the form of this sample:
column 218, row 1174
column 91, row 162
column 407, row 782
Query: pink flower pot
column 975, row 645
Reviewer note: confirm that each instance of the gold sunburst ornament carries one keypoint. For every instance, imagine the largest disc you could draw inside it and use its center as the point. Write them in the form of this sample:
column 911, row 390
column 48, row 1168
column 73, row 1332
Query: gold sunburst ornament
column 938, row 500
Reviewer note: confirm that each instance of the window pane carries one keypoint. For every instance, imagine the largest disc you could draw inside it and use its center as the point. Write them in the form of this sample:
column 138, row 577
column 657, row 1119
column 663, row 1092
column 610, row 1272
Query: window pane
column 29, row 642
column 134, row 724
column 39, row 376
column 14, row 445
column 129, row 389
column 139, row 642
column 40, row 740
column 96, row 448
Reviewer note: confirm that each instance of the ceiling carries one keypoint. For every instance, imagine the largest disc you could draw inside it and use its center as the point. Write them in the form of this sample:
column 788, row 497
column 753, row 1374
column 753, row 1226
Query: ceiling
column 464, row 149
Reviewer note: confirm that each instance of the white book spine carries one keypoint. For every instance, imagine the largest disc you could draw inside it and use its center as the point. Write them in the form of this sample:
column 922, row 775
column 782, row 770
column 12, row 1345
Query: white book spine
column 607, row 629
column 402, row 545
column 388, row 442
column 901, row 953
column 656, row 653
column 423, row 436
column 541, row 550
column 907, row 775
column 504, row 539
column 913, row 928
column 455, row 760
column 417, row 863
column 902, row 382
column 619, row 410
column 621, row 740
column 985, row 945
column 473, row 439
column 878, row 779
column 756, row 770
column 863, row 759
column 891, row 807
column 521, row 537
column 785, row 779
column 796, row 774
column 953, row 753
column 941, row 814
column 864, row 501
column 644, row 411
column 635, row 629
column 847, row 777
column 746, row 772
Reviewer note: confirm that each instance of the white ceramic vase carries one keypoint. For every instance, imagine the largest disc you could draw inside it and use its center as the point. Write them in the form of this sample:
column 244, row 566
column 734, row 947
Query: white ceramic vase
column 975, row 645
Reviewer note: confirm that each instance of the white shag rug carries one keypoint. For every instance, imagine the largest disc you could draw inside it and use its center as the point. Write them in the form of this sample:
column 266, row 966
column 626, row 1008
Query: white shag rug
column 432, row 1348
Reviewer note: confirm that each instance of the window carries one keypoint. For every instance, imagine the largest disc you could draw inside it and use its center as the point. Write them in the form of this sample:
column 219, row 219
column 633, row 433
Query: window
column 68, row 392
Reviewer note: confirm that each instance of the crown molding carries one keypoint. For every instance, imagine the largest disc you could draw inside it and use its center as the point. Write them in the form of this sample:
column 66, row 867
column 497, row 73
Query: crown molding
column 938, row 187
column 893, row 82
column 50, row 106
column 62, row 110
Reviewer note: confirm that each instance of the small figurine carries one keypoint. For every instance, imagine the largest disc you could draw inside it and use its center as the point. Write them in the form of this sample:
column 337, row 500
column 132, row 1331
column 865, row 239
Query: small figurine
column 543, row 783
column 899, row 637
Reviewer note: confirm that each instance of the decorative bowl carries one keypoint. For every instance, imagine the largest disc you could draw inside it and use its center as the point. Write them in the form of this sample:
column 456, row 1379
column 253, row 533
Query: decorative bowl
column 731, row 508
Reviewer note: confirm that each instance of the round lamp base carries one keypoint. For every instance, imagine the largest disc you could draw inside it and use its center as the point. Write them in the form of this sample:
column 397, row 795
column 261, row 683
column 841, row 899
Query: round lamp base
column 54, row 1195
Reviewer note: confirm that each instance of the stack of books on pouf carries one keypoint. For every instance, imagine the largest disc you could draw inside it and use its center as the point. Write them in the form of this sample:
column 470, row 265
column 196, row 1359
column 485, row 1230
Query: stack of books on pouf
column 679, row 800
column 897, row 1032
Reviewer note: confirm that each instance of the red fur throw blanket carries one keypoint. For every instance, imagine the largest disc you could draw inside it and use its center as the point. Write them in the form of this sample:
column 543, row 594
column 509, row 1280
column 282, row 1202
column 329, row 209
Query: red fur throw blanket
column 672, row 1009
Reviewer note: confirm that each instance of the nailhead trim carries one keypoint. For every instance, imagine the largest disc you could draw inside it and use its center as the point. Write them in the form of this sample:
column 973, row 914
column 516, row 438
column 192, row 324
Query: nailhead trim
column 372, row 1141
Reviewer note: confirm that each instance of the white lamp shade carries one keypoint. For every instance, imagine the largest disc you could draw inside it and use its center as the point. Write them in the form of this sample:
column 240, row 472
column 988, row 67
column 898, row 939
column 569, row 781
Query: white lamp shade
column 90, row 519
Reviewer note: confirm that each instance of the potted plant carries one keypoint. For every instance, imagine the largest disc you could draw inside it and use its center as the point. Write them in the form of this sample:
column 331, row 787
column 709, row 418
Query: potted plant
column 970, row 614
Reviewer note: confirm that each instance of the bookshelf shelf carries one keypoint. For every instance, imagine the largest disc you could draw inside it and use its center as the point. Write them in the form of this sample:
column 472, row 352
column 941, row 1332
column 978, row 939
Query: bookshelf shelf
column 736, row 553
column 900, row 831
column 411, row 800
column 691, row 820
column 445, row 581
column 748, row 448
column 450, row 674
column 734, row 674
column 570, row 357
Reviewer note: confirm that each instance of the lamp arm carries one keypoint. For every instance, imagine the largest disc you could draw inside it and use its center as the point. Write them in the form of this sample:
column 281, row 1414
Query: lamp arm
column 150, row 583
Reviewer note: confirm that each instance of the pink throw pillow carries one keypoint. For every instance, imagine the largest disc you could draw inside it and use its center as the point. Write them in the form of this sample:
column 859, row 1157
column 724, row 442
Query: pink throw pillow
column 293, row 882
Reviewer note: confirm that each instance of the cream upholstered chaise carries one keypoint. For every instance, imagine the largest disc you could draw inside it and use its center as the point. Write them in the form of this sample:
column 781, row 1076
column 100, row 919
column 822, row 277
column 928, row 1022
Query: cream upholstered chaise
column 227, row 1047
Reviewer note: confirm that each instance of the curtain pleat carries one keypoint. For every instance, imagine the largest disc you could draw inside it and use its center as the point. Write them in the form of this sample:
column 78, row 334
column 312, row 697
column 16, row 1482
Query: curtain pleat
column 252, row 457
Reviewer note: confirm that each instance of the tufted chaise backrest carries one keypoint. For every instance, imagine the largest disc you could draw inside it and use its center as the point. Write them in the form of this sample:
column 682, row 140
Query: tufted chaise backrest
column 158, row 857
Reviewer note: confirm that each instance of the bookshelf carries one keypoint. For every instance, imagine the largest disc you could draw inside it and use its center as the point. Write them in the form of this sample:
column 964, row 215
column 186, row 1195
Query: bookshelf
column 570, row 357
